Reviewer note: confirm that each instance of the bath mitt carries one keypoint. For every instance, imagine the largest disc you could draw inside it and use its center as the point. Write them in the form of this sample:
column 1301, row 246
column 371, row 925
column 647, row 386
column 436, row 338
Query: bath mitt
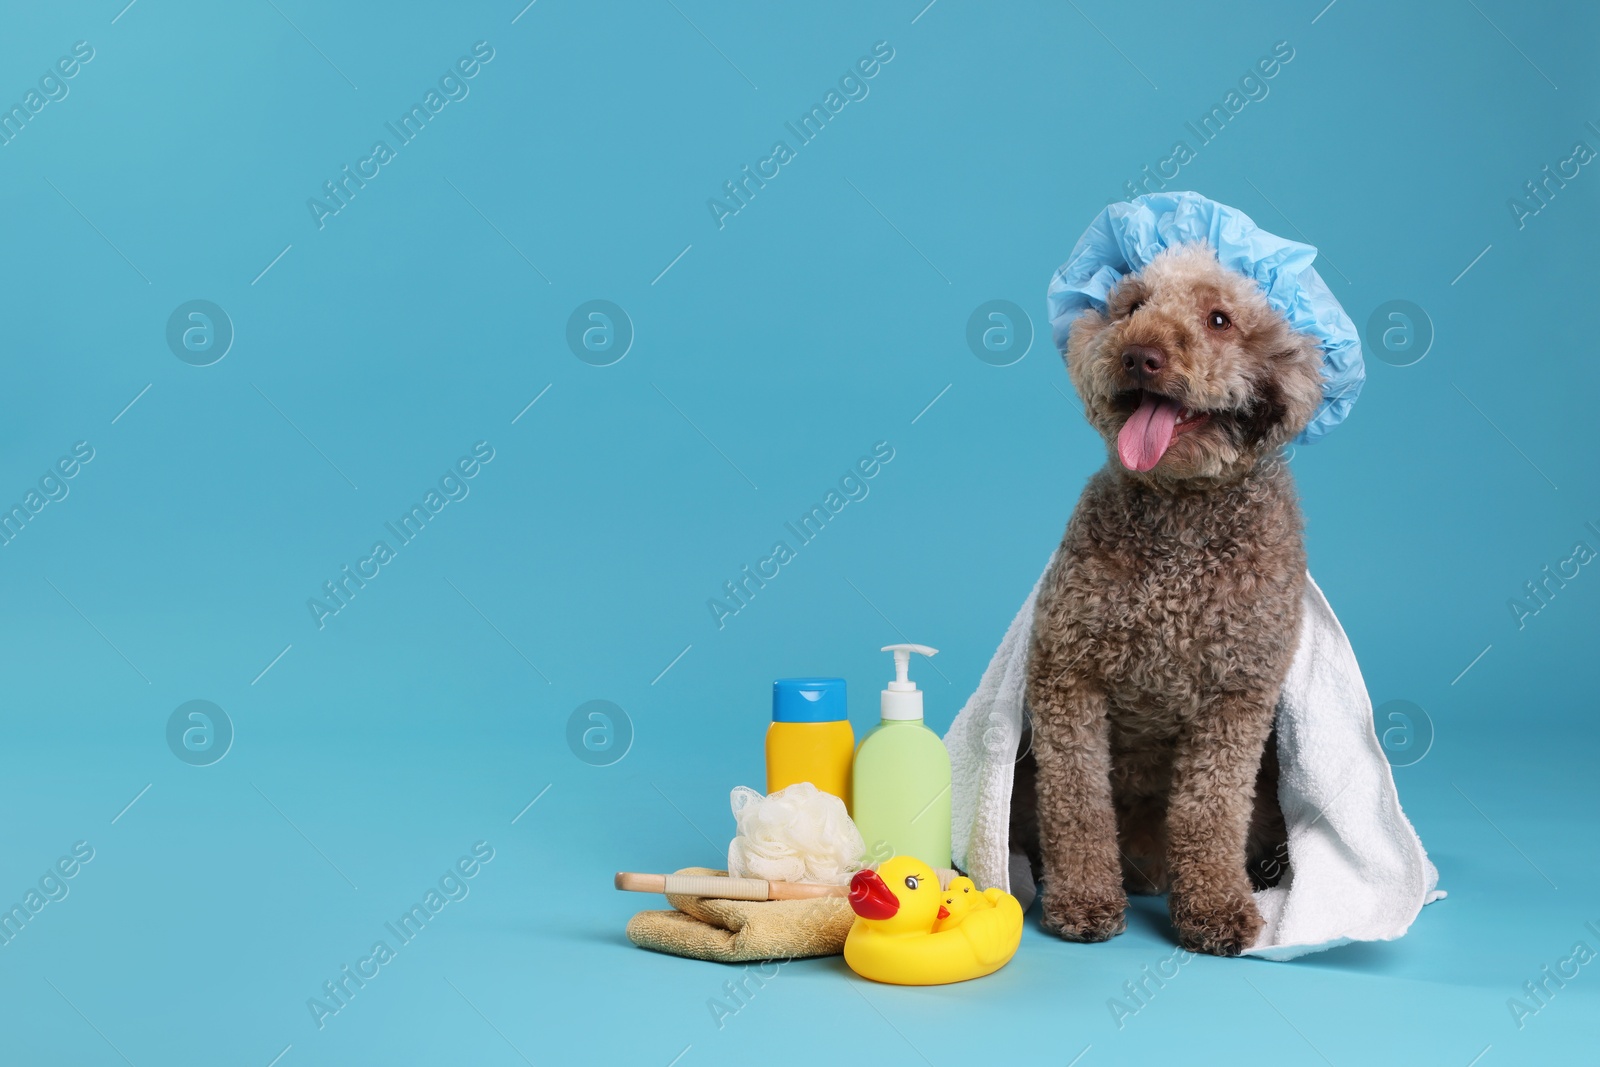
column 740, row 931
column 1357, row 870
column 1126, row 236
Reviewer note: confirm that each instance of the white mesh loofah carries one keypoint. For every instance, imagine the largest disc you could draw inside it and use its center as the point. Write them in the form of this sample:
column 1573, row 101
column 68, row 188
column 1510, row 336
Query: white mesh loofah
column 798, row 834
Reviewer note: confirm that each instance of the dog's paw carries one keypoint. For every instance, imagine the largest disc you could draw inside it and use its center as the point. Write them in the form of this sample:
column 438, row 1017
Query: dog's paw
column 1085, row 916
column 1219, row 924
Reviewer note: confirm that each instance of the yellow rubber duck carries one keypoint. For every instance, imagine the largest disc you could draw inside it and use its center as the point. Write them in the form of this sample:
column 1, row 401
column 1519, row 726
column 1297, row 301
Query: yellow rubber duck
column 896, row 937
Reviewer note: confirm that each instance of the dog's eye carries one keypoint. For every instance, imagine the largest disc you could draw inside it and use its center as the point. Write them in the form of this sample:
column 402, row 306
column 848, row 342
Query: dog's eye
column 1218, row 321
column 1135, row 306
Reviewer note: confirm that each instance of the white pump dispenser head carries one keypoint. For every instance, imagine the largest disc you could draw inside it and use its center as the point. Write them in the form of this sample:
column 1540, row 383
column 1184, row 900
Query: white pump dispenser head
column 902, row 700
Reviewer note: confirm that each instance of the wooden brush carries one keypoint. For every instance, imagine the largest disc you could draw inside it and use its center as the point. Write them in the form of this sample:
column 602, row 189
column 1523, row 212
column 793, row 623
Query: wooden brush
column 722, row 887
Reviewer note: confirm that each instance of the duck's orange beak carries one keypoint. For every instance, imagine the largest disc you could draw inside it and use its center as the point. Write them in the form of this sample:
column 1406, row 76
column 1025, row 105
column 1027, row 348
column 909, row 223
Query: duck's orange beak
column 944, row 912
column 870, row 897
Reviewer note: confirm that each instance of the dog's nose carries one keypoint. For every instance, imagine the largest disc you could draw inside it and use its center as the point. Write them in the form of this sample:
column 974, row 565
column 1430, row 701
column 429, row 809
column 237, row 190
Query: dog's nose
column 1141, row 360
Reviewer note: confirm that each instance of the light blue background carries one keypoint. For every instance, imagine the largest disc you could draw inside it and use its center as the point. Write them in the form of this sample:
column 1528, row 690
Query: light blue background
column 823, row 318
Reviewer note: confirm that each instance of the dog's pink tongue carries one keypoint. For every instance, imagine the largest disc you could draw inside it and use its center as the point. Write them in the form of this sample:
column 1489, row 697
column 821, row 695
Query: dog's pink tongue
column 1146, row 435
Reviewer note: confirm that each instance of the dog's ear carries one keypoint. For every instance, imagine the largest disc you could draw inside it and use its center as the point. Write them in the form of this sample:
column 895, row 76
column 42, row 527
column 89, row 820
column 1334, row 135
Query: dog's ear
column 1085, row 329
column 1286, row 395
column 1266, row 412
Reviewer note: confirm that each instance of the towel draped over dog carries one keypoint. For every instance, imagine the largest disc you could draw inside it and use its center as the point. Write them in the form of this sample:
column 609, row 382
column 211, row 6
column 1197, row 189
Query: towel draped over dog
column 1356, row 869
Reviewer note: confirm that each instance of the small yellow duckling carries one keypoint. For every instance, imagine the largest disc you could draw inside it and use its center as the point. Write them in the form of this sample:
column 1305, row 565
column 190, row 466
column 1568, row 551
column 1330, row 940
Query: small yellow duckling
column 960, row 897
column 908, row 933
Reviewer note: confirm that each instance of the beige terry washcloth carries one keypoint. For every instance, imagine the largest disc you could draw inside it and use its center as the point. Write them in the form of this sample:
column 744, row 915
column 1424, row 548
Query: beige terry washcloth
column 738, row 931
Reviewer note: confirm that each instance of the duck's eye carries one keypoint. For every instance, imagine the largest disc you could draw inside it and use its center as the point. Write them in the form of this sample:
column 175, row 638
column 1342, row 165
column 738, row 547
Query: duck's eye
column 911, row 881
column 1217, row 320
column 964, row 889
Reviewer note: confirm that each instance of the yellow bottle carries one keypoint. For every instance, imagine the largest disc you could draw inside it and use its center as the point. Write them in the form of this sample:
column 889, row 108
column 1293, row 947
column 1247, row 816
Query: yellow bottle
column 810, row 739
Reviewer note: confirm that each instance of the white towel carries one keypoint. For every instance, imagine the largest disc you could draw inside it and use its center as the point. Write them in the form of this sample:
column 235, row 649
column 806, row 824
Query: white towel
column 1357, row 871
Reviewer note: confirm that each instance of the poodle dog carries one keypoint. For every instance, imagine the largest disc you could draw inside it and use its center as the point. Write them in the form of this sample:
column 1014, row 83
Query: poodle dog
column 1165, row 628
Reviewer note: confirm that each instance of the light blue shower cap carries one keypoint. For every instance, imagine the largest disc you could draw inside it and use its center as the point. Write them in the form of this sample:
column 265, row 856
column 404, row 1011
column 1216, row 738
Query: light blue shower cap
column 1126, row 236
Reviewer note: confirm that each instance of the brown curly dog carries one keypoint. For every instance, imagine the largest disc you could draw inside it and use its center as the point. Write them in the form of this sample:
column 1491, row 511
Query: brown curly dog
column 1166, row 625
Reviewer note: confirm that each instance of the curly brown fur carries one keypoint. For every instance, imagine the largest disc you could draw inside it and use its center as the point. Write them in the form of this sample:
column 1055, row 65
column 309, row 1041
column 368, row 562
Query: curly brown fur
column 1166, row 625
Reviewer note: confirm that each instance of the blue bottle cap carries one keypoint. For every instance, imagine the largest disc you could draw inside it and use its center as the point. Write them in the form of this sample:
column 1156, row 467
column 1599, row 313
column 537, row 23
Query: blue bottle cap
column 808, row 700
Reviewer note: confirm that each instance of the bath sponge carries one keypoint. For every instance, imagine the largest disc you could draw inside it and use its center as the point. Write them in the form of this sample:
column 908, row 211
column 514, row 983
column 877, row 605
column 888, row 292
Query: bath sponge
column 798, row 834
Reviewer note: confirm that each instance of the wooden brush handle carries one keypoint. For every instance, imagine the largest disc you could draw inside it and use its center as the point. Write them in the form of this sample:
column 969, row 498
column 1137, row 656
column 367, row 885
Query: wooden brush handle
column 804, row 890
column 722, row 887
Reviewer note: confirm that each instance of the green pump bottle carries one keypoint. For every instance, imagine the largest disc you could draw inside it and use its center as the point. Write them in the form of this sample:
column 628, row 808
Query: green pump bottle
column 902, row 776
